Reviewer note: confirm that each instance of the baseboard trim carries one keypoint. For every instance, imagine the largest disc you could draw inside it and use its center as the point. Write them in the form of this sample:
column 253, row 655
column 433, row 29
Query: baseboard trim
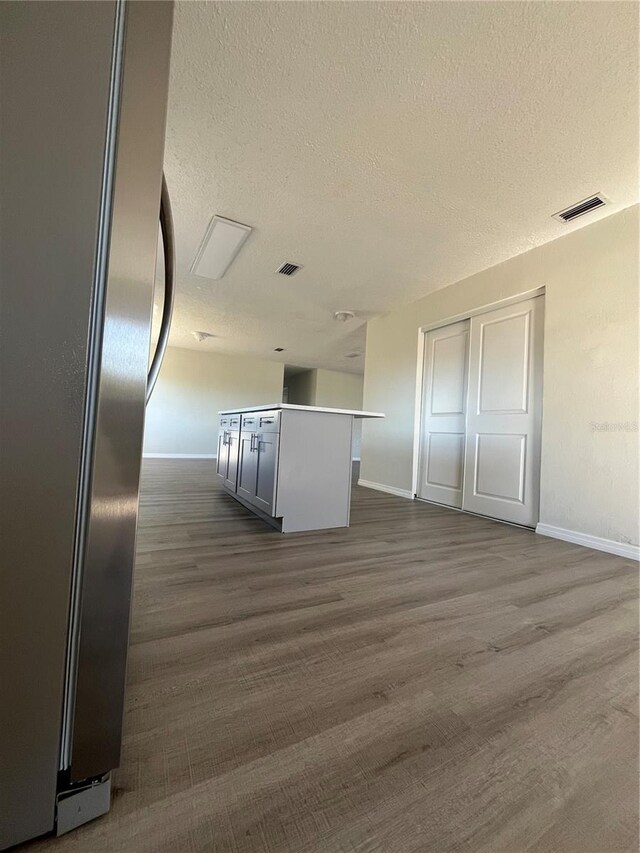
column 178, row 455
column 621, row 549
column 391, row 490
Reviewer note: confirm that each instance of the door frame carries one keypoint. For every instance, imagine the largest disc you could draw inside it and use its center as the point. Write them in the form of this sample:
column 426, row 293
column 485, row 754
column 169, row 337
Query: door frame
column 420, row 379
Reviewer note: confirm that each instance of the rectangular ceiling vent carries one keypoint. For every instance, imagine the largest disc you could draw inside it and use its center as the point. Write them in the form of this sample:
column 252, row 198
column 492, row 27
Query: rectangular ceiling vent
column 594, row 202
column 288, row 268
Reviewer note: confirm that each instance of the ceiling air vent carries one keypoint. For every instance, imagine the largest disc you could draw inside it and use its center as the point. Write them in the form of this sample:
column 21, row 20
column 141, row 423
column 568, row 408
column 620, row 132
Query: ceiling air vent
column 288, row 268
column 585, row 206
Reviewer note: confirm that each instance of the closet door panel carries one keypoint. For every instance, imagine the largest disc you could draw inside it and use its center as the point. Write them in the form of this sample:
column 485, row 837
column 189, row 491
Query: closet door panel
column 502, row 458
column 443, row 414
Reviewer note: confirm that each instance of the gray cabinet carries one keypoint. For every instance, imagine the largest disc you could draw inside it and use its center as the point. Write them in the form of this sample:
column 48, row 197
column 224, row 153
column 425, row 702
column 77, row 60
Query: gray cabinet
column 228, row 443
column 247, row 466
column 257, row 469
column 233, row 444
column 291, row 465
column 223, row 455
column 266, row 454
column 222, row 458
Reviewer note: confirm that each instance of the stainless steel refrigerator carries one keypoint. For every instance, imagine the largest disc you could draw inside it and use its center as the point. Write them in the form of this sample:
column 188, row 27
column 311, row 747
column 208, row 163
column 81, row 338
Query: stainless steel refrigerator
column 82, row 122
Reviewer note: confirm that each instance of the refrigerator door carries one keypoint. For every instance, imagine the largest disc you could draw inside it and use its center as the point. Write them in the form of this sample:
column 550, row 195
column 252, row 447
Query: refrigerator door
column 56, row 70
column 84, row 89
column 98, row 655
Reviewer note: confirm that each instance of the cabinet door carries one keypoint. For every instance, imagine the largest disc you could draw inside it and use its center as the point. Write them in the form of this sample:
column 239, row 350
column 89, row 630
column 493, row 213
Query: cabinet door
column 266, row 454
column 233, row 449
column 223, row 454
column 247, row 468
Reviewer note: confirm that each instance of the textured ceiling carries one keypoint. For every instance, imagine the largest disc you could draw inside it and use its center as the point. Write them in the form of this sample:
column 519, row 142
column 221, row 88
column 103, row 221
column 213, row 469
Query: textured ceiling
column 391, row 148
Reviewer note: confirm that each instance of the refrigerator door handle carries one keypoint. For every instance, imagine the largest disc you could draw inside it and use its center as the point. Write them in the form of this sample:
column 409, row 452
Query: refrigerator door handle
column 168, row 247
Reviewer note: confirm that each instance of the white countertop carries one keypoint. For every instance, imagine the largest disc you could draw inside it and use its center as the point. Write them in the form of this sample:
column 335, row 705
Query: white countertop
column 353, row 412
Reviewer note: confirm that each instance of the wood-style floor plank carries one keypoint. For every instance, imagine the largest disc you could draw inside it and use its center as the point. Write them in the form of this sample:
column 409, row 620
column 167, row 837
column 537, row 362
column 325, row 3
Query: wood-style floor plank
column 422, row 681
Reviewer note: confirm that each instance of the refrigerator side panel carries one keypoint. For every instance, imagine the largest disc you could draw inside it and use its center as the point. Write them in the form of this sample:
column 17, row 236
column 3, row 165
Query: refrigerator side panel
column 107, row 573
column 55, row 67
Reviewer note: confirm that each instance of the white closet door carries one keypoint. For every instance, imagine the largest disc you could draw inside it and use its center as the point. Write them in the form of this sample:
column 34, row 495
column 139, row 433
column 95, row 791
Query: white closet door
column 443, row 414
column 502, row 460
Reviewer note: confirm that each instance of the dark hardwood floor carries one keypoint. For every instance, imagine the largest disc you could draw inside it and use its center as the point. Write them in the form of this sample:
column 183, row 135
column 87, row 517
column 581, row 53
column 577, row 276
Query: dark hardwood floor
column 422, row 681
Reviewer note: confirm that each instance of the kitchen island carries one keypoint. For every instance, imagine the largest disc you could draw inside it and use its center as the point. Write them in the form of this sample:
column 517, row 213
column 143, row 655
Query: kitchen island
column 290, row 465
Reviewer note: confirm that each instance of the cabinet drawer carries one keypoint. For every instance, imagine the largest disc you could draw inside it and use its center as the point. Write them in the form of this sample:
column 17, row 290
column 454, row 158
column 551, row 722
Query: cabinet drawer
column 230, row 422
column 261, row 421
column 268, row 421
column 249, row 422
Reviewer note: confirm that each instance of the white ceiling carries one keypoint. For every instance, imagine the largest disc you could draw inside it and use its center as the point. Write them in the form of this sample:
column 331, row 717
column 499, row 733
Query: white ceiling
column 391, row 148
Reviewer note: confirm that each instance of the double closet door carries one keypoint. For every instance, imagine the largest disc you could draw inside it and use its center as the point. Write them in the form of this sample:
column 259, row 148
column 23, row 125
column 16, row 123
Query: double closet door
column 481, row 413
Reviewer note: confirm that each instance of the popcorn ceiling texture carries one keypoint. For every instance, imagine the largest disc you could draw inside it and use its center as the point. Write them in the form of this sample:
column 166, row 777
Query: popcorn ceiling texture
column 390, row 148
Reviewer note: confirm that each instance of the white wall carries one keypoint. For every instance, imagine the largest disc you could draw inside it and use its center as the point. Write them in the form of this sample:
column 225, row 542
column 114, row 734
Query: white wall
column 182, row 416
column 590, row 408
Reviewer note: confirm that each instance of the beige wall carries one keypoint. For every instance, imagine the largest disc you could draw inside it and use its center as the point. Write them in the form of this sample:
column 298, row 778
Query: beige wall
column 341, row 391
column 331, row 388
column 182, row 416
column 589, row 472
column 338, row 390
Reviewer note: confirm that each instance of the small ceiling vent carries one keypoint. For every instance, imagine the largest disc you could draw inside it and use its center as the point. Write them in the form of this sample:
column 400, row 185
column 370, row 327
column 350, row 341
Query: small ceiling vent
column 287, row 268
column 278, row 349
column 594, row 202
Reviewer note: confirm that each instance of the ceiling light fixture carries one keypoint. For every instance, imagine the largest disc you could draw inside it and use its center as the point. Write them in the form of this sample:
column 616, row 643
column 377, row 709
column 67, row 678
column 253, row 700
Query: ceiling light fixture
column 220, row 245
column 343, row 316
column 278, row 349
column 202, row 336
